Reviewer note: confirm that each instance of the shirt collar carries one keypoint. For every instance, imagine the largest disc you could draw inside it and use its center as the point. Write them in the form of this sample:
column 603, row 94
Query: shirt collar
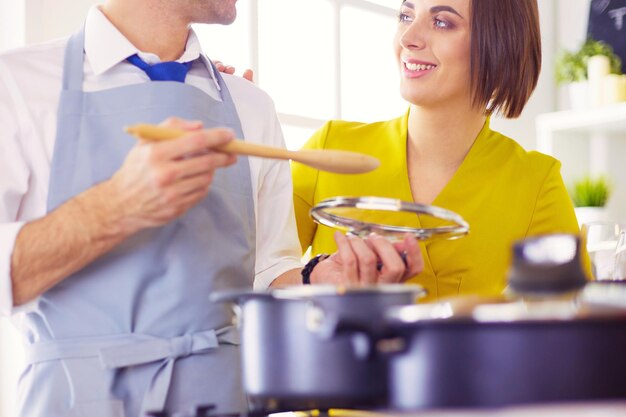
column 106, row 46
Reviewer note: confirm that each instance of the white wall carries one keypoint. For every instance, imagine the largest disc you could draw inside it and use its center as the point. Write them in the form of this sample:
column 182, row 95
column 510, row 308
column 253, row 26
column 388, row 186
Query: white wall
column 50, row 19
column 11, row 24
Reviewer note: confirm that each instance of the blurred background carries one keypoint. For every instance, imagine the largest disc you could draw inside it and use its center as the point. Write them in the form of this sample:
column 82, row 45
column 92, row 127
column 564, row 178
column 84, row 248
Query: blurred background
column 332, row 59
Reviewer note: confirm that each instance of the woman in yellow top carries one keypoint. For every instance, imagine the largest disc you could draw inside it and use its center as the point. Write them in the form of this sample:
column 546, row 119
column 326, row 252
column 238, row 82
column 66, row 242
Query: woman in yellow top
column 460, row 61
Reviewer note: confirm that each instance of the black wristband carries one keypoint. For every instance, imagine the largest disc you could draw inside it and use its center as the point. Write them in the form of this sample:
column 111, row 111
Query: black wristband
column 308, row 268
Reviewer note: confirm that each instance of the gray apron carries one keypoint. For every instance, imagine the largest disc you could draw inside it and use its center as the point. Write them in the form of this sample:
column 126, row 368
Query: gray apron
column 134, row 330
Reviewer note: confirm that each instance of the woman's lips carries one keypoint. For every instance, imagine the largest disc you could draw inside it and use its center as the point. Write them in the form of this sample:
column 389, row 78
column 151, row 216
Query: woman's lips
column 413, row 69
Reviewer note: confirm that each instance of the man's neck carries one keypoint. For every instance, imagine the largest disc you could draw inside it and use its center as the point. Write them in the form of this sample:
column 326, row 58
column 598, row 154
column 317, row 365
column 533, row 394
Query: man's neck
column 150, row 29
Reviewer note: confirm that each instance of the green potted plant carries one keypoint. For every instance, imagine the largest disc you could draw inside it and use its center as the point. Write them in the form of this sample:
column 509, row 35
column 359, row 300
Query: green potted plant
column 590, row 196
column 571, row 69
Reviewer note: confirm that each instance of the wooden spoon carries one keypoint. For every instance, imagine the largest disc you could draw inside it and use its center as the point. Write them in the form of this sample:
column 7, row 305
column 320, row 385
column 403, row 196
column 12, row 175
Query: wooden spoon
column 341, row 162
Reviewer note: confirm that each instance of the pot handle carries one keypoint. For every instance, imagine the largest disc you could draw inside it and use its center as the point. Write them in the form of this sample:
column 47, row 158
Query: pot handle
column 363, row 337
column 237, row 296
column 369, row 340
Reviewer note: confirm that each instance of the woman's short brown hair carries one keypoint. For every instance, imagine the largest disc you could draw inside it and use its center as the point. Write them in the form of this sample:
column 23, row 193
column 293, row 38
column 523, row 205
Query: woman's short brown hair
column 505, row 54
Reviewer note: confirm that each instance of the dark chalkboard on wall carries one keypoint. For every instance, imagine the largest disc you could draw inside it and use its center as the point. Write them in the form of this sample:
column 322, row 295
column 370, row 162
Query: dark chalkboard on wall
column 607, row 22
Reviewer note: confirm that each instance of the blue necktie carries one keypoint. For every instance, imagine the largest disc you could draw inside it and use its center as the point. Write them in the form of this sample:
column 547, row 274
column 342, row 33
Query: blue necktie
column 164, row 71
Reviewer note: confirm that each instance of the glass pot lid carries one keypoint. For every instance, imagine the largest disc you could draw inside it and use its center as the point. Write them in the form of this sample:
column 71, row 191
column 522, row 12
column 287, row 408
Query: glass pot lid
column 389, row 217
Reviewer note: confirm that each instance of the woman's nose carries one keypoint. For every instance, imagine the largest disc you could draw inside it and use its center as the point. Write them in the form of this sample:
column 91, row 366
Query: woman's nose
column 413, row 38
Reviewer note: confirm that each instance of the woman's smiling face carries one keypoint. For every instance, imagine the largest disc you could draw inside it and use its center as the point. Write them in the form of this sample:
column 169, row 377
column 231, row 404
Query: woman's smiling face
column 432, row 47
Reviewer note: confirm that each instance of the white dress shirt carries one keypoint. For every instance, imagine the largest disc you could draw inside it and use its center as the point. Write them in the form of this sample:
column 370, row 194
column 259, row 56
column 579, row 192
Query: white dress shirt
column 30, row 86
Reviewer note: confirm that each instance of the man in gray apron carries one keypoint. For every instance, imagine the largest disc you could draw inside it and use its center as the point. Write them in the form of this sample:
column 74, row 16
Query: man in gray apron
column 136, row 236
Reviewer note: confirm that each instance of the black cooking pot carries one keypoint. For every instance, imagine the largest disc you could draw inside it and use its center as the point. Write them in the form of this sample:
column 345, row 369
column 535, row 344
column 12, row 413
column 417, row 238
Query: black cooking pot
column 491, row 353
column 291, row 361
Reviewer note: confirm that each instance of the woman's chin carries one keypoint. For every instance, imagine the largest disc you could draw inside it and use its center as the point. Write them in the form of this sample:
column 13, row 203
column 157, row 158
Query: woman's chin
column 417, row 98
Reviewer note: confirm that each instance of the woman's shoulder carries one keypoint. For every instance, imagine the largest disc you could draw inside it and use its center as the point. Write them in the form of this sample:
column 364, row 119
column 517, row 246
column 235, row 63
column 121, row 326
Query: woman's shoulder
column 506, row 149
column 344, row 132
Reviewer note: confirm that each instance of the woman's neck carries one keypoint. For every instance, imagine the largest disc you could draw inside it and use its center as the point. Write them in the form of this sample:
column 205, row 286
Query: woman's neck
column 150, row 28
column 442, row 136
column 437, row 143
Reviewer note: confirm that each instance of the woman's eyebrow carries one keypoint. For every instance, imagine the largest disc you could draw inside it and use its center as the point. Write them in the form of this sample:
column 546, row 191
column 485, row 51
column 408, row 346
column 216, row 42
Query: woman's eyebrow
column 437, row 9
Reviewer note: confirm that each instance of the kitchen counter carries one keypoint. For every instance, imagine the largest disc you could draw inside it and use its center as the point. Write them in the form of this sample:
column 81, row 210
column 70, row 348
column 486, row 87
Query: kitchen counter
column 588, row 409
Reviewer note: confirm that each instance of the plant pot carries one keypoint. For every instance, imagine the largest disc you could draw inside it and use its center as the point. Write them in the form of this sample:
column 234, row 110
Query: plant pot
column 590, row 214
column 578, row 95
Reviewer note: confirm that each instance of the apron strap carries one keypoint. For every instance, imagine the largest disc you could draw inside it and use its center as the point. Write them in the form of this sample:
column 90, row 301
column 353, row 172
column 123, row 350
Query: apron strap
column 123, row 351
column 73, row 73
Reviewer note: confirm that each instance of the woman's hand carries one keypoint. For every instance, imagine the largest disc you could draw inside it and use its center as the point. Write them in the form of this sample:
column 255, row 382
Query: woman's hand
column 369, row 261
column 228, row 69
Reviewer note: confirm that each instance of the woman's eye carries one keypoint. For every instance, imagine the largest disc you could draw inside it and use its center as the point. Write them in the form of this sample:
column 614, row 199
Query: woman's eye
column 441, row 24
column 403, row 17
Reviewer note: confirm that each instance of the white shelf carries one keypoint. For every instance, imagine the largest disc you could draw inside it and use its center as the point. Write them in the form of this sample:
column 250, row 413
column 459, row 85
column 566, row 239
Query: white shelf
column 595, row 122
column 589, row 141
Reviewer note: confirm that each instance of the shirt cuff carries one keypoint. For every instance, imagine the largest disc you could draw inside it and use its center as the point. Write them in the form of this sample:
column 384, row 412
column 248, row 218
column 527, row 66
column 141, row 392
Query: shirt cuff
column 8, row 234
column 264, row 279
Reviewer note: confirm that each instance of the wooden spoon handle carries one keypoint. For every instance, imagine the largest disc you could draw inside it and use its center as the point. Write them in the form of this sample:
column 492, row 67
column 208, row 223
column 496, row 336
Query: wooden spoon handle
column 342, row 162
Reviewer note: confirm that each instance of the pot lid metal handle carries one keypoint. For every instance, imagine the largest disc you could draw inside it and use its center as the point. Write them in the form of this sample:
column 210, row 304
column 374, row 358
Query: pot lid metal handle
column 388, row 217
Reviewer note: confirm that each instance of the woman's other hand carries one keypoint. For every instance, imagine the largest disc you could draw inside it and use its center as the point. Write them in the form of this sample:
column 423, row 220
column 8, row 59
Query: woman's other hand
column 228, row 69
column 374, row 260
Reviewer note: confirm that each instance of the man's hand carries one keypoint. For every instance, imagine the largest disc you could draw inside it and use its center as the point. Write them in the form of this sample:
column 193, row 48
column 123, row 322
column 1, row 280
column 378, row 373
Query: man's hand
column 160, row 181
column 228, row 69
column 371, row 261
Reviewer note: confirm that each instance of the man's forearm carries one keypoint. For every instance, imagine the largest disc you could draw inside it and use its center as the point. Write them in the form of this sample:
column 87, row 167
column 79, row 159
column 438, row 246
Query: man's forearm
column 157, row 183
column 291, row 277
column 50, row 249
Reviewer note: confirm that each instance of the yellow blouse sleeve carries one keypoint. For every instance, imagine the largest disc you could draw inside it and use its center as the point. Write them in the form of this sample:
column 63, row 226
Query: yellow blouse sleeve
column 554, row 211
column 304, row 187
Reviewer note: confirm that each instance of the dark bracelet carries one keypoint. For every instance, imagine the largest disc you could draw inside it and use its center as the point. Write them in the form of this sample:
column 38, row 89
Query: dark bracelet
column 308, row 268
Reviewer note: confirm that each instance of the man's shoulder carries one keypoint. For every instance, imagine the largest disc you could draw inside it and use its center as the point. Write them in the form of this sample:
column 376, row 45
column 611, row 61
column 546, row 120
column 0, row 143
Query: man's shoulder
column 35, row 55
column 244, row 91
column 32, row 72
